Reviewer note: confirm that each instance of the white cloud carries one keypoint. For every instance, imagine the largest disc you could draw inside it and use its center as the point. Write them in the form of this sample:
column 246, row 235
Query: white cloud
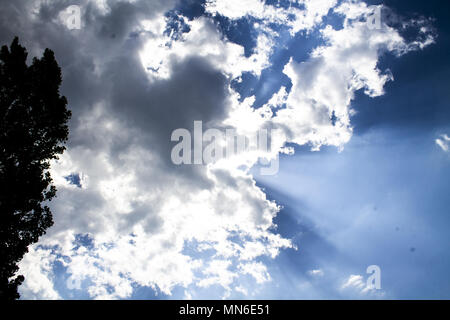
column 37, row 265
column 242, row 290
column 443, row 142
column 356, row 281
column 257, row 270
column 316, row 273
column 325, row 84
column 358, row 285
column 293, row 17
column 235, row 9
column 204, row 40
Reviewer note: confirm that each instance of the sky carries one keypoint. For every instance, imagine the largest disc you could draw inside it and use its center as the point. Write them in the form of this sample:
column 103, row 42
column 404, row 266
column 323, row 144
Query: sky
column 354, row 95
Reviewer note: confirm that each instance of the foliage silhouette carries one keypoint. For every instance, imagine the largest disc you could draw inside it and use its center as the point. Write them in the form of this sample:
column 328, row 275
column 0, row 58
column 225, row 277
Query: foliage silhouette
column 33, row 130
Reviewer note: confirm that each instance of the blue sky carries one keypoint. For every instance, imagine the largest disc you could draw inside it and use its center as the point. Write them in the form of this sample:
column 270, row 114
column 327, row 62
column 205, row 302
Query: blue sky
column 381, row 201
column 130, row 224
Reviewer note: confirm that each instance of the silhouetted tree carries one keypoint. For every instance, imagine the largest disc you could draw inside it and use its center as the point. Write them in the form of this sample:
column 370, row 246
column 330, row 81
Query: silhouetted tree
column 33, row 130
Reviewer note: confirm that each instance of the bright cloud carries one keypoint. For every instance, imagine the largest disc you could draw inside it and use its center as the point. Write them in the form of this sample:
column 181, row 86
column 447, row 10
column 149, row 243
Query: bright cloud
column 358, row 285
column 443, row 142
column 316, row 273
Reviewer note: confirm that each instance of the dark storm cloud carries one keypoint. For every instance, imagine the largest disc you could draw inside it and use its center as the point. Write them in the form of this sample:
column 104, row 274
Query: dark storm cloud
column 195, row 91
column 100, row 64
